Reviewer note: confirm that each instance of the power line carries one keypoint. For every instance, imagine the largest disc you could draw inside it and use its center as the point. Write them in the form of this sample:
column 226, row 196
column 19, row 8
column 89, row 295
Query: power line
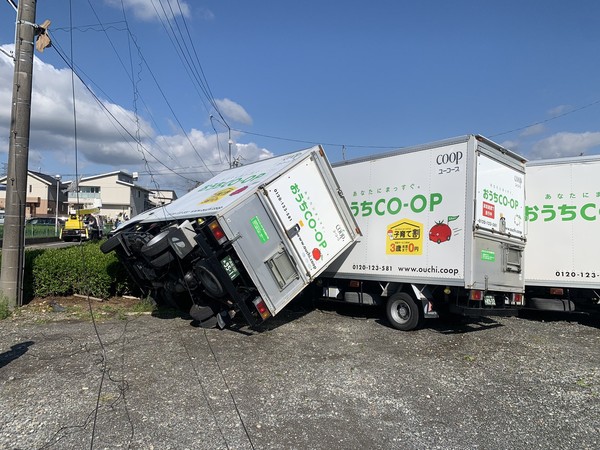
column 112, row 116
column 558, row 116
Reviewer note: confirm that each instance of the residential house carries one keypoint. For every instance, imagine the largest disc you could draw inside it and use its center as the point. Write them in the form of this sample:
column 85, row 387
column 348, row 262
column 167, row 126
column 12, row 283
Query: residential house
column 115, row 193
column 44, row 195
column 162, row 197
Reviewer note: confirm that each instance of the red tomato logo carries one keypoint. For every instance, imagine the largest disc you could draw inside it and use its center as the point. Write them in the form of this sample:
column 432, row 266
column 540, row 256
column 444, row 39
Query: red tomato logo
column 316, row 253
column 237, row 191
column 440, row 232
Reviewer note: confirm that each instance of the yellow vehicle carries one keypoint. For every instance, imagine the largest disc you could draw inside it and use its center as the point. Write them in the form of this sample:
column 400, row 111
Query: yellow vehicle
column 82, row 225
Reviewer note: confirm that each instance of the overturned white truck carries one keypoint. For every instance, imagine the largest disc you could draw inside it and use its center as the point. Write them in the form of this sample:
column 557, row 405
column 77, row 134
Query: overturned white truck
column 443, row 231
column 247, row 241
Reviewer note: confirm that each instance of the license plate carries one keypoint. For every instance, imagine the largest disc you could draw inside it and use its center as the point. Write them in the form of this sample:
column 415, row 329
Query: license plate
column 489, row 300
column 229, row 267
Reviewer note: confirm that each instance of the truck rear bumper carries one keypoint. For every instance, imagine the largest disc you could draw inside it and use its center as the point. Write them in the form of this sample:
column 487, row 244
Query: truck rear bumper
column 483, row 312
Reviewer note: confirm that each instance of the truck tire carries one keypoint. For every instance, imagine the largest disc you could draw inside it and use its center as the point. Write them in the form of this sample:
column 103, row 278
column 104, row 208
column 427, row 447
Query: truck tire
column 201, row 313
column 209, row 280
column 157, row 244
column 403, row 312
column 110, row 244
column 209, row 323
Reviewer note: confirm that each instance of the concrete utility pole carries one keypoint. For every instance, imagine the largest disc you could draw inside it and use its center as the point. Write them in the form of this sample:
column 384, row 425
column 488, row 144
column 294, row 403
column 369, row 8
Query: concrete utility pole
column 13, row 242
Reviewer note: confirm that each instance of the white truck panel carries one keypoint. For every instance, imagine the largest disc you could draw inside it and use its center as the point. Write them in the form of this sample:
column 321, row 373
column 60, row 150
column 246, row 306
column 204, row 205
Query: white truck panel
column 438, row 214
column 411, row 211
column 563, row 211
column 305, row 205
column 225, row 189
column 500, row 197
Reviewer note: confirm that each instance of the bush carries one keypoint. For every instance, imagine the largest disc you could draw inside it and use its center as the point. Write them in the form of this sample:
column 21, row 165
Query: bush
column 81, row 269
column 4, row 309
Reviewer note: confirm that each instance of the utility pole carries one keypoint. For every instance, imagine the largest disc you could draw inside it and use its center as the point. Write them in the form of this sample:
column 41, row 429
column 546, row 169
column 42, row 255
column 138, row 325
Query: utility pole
column 13, row 242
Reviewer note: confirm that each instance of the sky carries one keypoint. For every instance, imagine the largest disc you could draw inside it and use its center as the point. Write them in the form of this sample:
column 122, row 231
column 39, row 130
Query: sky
column 175, row 90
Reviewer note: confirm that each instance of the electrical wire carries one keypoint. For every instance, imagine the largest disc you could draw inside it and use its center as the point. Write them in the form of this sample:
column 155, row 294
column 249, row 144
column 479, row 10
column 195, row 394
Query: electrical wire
column 116, row 121
column 541, row 122
column 134, row 82
column 131, row 38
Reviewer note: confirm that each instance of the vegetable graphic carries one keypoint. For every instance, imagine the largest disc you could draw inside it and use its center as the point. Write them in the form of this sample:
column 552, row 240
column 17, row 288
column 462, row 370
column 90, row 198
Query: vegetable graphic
column 441, row 232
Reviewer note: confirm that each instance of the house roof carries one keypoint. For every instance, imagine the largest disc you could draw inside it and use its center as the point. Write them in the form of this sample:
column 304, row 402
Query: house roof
column 46, row 179
column 128, row 182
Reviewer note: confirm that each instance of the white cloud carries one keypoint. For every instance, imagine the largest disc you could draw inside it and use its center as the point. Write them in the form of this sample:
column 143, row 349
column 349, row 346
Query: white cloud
column 153, row 10
column 533, row 130
column 559, row 110
column 233, row 111
column 511, row 145
column 103, row 144
column 196, row 157
column 566, row 144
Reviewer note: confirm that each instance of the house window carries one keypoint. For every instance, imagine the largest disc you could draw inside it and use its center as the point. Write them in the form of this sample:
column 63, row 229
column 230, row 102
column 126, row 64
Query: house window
column 90, row 189
column 30, row 188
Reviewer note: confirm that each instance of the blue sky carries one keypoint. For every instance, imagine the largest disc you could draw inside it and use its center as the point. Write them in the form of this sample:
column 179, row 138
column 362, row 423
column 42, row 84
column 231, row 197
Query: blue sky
column 358, row 77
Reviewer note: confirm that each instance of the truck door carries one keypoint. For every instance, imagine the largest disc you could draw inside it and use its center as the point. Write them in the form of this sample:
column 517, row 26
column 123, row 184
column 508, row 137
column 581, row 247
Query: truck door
column 317, row 221
column 261, row 247
column 499, row 222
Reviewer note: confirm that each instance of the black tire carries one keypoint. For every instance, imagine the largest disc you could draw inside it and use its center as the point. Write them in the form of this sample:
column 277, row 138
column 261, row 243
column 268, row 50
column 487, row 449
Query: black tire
column 209, row 281
column 201, row 313
column 110, row 244
column 403, row 312
column 157, row 244
column 209, row 323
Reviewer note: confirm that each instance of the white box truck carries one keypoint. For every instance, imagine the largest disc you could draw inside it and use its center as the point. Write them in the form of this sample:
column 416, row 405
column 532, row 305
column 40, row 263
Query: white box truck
column 247, row 241
column 442, row 231
column 562, row 259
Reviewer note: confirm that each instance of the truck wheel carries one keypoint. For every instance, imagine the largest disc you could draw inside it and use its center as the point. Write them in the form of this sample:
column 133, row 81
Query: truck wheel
column 157, row 244
column 403, row 312
column 201, row 313
column 110, row 244
column 209, row 323
column 209, row 280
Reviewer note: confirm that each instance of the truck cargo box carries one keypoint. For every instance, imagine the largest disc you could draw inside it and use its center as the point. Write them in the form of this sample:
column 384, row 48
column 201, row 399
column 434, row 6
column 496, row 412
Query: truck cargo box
column 442, row 224
column 562, row 264
column 248, row 240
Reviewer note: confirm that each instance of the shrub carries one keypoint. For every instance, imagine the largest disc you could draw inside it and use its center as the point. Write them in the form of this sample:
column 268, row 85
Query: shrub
column 81, row 269
column 4, row 309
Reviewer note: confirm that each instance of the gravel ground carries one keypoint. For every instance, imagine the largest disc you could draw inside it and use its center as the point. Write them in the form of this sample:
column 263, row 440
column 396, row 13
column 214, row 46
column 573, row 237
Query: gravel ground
column 335, row 377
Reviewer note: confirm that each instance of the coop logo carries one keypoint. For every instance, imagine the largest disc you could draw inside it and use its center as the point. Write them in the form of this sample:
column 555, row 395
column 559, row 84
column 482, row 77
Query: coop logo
column 518, row 180
column 449, row 158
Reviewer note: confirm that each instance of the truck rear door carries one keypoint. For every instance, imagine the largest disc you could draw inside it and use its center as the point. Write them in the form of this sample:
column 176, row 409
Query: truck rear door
column 318, row 223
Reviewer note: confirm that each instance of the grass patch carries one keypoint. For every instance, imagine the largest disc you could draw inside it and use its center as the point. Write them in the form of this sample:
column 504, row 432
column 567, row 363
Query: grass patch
column 582, row 383
column 4, row 309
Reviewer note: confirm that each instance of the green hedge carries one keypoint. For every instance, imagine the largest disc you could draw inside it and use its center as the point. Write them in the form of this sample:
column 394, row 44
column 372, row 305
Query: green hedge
column 80, row 269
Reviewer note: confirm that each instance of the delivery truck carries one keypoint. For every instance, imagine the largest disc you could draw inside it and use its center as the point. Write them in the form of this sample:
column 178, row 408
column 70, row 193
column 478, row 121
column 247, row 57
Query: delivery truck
column 562, row 213
column 245, row 242
column 442, row 231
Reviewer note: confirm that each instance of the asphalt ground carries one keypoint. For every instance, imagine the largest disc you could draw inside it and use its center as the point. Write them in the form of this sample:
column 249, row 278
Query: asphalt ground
column 331, row 377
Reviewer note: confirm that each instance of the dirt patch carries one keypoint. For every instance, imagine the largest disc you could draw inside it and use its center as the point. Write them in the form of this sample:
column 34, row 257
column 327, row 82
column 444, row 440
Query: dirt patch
column 78, row 308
